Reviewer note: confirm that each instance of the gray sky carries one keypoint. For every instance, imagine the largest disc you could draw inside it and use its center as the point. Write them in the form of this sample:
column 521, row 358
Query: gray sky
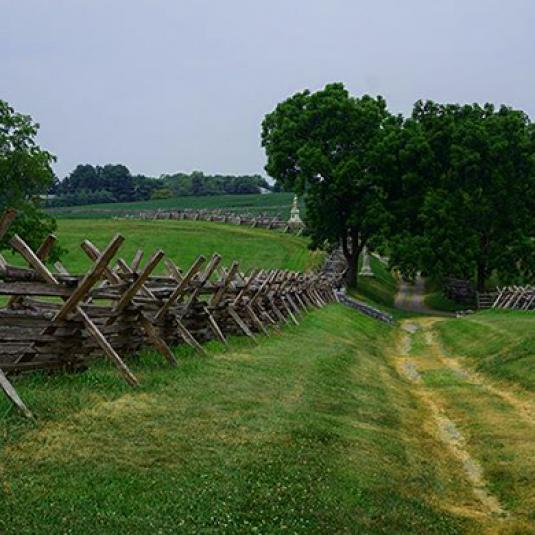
column 169, row 85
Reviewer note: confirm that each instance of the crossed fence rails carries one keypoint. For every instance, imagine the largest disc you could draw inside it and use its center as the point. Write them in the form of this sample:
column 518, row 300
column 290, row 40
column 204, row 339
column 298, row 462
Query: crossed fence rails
column 515, row 297
column 58, row 320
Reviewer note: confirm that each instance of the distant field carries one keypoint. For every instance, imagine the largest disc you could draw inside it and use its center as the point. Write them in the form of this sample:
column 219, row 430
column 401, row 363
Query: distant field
column 276, row 204
column 183, row 241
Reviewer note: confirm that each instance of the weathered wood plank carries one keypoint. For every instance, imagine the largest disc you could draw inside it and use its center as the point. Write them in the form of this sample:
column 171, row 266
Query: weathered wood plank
column 12, row 395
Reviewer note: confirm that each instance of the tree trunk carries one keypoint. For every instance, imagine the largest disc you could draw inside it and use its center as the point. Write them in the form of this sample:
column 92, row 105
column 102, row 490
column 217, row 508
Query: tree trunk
column 481, row 276
column 352, row 270
column 352, row 247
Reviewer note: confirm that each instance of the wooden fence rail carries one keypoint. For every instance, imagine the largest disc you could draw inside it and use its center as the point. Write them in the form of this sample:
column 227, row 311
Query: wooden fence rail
column 509, row 297
column 220, row 216
column 58, row 320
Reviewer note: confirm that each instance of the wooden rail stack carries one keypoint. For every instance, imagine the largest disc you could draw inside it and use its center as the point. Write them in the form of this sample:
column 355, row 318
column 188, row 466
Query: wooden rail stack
column 260, row 221
column 510, row 297
column 58, row 320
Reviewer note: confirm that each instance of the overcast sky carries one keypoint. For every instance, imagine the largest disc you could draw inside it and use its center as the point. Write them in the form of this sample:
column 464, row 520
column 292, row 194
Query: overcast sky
column 177, row 85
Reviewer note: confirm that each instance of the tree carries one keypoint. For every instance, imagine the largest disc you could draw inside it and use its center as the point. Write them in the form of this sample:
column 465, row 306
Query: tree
column 472, row 178
column 324, row 145
column 25, row 173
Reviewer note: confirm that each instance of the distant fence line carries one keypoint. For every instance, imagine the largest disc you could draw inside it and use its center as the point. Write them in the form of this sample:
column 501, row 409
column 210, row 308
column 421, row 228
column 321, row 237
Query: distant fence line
column 508, row 298
column 219, row 216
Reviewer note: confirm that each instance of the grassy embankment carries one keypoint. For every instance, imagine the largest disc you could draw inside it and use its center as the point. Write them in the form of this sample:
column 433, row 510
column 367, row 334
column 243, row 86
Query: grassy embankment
column 275, row 204
column 478, row 373
column 381, row 288
column 500, row 344
column 309, row 432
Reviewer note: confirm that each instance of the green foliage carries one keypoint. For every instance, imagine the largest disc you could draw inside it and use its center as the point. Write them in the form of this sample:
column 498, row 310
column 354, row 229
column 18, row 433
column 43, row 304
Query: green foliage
column 465, row 177
column 161, row 193
column 25, row 173
column 114, row 183
column 324, row 145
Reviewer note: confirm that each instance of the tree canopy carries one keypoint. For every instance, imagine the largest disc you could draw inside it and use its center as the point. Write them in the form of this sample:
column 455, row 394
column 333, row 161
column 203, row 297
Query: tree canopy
column 25, row 173
column 324, row 146
column 449, row 191
column 467, row 178
column 88, row 184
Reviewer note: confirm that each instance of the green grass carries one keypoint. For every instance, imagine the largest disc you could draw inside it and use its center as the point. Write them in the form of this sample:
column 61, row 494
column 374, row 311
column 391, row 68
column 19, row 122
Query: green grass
column 498, row 343
column 438, row 301
column 276, row 204
column 183, row 241
column 311, row 431
column 382, row 287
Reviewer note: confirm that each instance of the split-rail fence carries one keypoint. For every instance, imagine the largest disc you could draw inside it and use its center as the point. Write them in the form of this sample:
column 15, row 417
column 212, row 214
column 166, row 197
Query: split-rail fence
column 56, row 320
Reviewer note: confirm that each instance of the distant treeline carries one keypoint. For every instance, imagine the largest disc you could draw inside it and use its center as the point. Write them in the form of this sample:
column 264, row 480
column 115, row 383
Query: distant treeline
column 114, row 183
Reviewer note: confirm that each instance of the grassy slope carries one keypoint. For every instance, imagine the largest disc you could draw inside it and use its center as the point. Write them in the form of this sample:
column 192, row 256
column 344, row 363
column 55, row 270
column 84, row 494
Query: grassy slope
column 500, row 344
column 381, row 288
column 273, row 203
column 183, row 241
column 308, row 432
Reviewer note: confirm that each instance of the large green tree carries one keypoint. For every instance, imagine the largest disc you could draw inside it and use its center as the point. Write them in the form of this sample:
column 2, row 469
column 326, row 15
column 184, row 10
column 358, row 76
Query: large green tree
column 324, row 146
column 466, row 177
column 25, row 173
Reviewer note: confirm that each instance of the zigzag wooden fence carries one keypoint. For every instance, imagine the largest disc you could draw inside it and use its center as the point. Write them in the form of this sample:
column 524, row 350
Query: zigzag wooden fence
column 58, row 320
column 220, row 216
column 509, row 297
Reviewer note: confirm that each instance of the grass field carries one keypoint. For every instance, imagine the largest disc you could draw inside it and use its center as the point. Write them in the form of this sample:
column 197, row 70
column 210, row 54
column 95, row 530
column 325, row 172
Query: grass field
column 183, row 241
column 500, row 344
column 309, row 432
column 275, row 204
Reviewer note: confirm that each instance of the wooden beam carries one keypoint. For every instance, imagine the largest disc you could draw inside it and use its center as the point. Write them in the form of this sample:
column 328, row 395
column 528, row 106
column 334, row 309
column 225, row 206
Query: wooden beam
column 139, row 282
column 182, row 285
column 154, row 336
column 92, row 276
column 241, row 324
column 136, row 261
column 173, row 270
column 5, row 221
column 215, row 327
column 12, row 395
column 33, row 260
column 216, row 298
column 45, row 247
column 129, row 377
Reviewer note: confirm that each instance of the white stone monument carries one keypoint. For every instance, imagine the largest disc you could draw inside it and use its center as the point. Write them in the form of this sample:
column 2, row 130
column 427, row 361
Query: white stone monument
column 295, row 220
column 366, row 270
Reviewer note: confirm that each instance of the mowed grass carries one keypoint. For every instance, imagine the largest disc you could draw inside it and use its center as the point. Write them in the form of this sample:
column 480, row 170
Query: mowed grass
column 184, row 241
column 270, row 203
column 311, row 431
column 498, row 343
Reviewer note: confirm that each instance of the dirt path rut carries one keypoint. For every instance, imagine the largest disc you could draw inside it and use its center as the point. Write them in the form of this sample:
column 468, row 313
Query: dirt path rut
column 483, row 426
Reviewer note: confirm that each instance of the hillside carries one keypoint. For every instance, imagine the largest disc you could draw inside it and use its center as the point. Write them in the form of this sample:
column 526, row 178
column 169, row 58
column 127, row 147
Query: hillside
column 276, row 204
column 183, row 241
column 500, row 344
